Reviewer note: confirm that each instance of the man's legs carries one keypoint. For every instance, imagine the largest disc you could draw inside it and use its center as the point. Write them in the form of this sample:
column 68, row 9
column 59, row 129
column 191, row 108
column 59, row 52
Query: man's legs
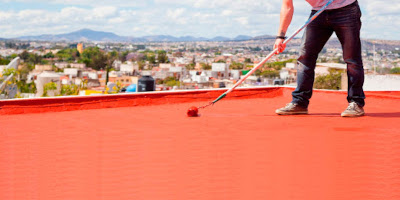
column 347, row 25
column 315, row 37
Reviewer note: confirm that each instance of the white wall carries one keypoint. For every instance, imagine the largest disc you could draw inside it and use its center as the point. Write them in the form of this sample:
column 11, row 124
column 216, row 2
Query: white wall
column 127, row 68
column 219, row 67
column 71, row 71
column 382, row 83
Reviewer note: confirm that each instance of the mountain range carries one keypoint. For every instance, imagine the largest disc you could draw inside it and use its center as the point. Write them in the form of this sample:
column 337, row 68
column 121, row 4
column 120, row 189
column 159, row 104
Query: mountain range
column 85, row 35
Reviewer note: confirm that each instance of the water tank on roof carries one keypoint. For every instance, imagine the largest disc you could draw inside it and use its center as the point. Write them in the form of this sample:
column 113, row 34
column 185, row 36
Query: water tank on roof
column 131, row 88
column 146, row 84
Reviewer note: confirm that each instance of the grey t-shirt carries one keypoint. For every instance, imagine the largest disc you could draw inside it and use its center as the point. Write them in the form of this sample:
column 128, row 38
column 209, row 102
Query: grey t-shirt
column 318, row 4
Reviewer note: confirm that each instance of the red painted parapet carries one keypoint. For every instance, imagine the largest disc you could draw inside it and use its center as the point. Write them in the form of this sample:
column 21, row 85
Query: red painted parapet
column 60, row 104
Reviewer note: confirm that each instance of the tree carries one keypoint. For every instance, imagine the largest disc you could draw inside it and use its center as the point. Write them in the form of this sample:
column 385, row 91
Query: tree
column 24, row 71
column 110, row 59
column 68, row 55
column 24, row 55
column 247, row 60
column 236, row 66
column 279, row 64
column 94, row 58
column 49, row 55
column 190, row 66
column 255, row 49
column 270, row 73
column 206, row 66
column 8, row 72
column 10, row 45
column 141, row 47
column 4, row 61
column 123, row 56
column 395, row 70
column 331, row 81
column 162, row 57
column 26, row 87
column 51, row 86
column 141, row 64
column 12, row 56
column 67, row 90
column 151, row 57
column 34, row 58
column 170, row 81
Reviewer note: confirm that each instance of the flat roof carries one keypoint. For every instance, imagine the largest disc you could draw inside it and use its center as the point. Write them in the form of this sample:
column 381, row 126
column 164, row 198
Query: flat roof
column 143, row 146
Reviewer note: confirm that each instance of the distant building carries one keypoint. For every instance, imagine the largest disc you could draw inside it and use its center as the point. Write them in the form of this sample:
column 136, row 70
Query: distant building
column 165, row 65
column 323, row 68
column 291, row 65
column 43, row 79
column 117, row 64
column 70, row 65
column 129, row 68
column 220, row 70
column 41, row 68
column 79, row 47
column 72, row 72
column 124, row 80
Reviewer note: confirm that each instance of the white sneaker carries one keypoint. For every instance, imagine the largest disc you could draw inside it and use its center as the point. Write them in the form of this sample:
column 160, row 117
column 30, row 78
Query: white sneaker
column 353, row 110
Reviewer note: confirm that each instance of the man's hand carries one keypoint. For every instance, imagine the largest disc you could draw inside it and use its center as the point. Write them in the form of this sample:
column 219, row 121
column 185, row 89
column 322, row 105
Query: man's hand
column 279, row 45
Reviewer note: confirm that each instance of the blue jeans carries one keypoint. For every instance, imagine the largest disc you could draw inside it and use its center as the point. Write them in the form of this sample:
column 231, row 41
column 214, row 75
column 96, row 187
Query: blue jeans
column 346, row 23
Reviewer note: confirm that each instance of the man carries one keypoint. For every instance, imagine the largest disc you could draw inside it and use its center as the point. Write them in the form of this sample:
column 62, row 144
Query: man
column 343, row 18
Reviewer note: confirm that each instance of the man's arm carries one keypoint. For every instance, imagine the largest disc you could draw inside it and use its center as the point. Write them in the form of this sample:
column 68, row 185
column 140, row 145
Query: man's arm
column 286, row 18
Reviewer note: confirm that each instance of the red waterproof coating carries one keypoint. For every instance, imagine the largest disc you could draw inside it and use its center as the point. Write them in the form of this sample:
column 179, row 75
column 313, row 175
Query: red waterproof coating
column 193, row 112
column 239, row 149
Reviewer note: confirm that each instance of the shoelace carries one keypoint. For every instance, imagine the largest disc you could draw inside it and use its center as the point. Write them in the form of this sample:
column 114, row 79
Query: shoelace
column 290, row 105
column 352, row 106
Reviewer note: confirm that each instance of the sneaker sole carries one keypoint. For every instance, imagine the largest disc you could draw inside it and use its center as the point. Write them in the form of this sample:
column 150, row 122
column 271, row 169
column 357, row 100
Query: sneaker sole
column 293, row 113
column 351, row 115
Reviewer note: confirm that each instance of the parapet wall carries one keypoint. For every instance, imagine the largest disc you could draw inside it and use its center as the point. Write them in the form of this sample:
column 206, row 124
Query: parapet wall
column 61, row 104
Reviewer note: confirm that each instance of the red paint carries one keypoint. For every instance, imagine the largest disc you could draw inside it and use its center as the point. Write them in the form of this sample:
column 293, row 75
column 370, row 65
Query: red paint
column 239, row 150
column 43, row 105
column 193, row 112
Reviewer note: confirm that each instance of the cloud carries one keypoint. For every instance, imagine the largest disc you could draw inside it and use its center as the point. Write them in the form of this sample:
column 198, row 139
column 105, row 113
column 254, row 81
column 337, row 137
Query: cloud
column 381, row 7
column 242, row 20
column 206, row 18
column 226, row 12
column 118, row 3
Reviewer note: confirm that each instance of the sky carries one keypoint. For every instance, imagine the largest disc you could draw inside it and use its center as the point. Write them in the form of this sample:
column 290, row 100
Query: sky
column 199, row 18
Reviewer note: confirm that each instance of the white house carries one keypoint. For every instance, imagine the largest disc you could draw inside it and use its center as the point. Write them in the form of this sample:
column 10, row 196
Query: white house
column 129, row 67
column 72, row 65
column 43, row 79
column 72, row 72
column 220, row 70
column 165, row 65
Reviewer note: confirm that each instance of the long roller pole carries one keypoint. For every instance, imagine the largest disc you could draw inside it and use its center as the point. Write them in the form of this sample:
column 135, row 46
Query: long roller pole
column 271, row 54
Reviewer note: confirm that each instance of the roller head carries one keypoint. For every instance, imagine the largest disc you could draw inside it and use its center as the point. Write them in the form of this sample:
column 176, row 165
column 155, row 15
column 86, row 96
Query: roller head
column 193, row 112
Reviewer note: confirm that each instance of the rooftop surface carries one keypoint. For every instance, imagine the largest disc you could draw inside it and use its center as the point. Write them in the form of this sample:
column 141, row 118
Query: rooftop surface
column 144, row 147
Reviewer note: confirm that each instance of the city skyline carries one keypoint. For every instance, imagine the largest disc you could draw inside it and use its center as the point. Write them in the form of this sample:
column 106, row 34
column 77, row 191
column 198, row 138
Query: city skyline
column 202, row 18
